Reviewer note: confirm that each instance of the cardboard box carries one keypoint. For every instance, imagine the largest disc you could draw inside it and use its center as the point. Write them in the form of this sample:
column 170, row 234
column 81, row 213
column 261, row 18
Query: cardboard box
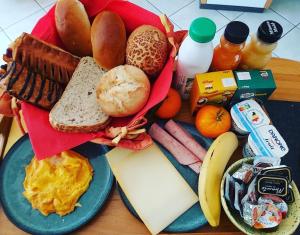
column 214, row 87
column 258, row 84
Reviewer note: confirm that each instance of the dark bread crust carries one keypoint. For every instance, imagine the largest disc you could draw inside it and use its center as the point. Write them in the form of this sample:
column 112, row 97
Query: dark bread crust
column 31, row 87
column 78, row 129
column 43, row 58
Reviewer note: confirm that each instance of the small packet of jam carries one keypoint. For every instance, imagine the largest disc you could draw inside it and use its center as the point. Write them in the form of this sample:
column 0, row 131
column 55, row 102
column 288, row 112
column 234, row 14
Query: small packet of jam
column 251, row 212
column 244, row 174
column 231, row 192
column 270, row 218
column 277, row 201
column 239, row 193
column 226, row 190
column 264, row 162
column 282, row 171
column 275, row 185
column 251, row 195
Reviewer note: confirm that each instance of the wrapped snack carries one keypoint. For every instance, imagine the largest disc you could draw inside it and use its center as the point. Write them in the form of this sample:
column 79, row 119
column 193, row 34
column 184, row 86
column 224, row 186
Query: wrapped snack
column 266, row 162
column 251, row 212
column 251, row 195
column 289, row 198
column 231, row 192
column 239, row 193
column 244, row 174
column 282, row 171
column 274, row 185
column 227, row 182
column 277, row 201
column 270, row 218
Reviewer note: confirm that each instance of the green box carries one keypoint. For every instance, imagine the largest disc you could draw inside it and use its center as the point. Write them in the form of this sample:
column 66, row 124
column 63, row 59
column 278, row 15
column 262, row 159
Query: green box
column 258, row 84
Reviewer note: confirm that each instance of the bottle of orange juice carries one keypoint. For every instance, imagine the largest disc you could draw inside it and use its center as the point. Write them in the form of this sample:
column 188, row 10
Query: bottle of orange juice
column 259, row 51
column 227, row 54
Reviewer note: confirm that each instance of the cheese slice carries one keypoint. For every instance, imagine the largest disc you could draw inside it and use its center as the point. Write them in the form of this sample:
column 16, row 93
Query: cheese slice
column 156, row 190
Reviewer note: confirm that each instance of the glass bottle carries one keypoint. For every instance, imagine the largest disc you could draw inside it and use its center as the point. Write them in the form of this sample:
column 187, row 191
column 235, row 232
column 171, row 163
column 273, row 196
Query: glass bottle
column 227, row 54
column 258, row 52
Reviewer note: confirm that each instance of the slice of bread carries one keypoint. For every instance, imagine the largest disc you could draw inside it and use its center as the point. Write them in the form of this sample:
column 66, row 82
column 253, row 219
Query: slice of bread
column 78, row 110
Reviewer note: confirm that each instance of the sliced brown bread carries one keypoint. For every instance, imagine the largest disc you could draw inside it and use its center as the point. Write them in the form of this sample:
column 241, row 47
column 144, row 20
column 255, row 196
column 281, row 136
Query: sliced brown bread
column 77, row 110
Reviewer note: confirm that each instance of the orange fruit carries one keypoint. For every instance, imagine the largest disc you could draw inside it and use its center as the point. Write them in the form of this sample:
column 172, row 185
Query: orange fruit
column 212, row 121
column 170, row 106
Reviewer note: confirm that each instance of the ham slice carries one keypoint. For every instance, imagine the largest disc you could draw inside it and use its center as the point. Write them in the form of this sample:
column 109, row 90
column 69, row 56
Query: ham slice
column 196, row 167
column 182, row 154
column 185, row 138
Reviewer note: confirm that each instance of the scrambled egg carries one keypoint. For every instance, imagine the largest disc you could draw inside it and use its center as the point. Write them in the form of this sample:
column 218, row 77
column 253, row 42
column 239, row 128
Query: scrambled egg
column 55, row 184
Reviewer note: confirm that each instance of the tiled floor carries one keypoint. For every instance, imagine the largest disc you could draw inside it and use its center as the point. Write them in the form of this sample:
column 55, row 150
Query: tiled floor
column 19, row 16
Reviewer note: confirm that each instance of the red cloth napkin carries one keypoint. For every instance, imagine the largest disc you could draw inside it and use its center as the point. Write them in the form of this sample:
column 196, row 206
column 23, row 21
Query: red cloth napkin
column 45, row 140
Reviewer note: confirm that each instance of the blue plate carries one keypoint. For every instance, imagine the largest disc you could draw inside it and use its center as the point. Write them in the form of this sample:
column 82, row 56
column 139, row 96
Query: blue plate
column 19, row 210
column 193, row 218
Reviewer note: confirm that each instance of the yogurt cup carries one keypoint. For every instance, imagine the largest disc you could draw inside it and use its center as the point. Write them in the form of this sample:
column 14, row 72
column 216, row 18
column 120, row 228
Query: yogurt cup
column 265, row 141
column 247, row 116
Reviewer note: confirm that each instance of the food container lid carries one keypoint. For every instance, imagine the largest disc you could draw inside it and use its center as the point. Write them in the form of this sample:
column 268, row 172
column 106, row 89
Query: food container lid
column 269, row 31
column 202, row 30
column 248, row 115
column 236, row 32
column 266, row 141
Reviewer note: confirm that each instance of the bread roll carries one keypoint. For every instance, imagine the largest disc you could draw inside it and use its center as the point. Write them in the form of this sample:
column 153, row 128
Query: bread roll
column 73, row 27
column 147, row 48
column 108, row 40
column 123, row 91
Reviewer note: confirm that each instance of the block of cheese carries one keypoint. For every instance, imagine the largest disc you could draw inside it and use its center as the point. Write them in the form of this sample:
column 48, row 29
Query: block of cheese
column 156, row 190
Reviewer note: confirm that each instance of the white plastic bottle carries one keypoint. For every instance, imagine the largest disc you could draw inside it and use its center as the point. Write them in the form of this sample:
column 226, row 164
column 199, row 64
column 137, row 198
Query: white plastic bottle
column 195, row 54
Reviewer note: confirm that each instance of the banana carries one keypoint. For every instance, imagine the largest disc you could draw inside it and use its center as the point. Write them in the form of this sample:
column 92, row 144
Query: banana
column 211, row 174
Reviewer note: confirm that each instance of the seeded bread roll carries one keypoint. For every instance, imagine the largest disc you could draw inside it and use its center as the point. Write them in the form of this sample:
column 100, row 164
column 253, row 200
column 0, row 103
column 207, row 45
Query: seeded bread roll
column 108, row 39
column 123, row 91
column 147, row 48
column 73, row 27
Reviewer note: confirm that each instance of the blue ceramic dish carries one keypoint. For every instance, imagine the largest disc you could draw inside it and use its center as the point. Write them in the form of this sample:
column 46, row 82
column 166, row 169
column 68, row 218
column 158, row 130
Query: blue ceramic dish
column 19, row 210
column 193, row 218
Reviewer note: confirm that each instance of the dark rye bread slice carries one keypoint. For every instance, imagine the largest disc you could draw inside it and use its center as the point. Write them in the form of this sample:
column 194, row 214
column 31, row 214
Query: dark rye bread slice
column 78, row 110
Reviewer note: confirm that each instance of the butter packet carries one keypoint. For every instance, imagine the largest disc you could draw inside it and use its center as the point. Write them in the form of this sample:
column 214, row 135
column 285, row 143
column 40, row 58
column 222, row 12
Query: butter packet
column 274, row 185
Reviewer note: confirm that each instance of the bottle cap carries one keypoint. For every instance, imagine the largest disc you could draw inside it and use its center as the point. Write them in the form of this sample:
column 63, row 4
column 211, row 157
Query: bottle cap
column 236, row 32
column 269, row 31
column 202, row 30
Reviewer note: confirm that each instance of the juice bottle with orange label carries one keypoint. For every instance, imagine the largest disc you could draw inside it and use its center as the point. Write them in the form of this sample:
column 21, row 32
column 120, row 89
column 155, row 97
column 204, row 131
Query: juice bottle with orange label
column 227, row 54
column 259, row 51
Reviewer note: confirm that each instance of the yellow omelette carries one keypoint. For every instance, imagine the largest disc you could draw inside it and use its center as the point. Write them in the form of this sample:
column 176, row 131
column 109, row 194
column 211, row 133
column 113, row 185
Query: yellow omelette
column 55, row 184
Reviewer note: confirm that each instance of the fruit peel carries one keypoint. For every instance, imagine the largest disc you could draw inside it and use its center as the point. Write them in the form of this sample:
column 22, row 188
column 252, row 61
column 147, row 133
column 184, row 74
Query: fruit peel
column 211, row 174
